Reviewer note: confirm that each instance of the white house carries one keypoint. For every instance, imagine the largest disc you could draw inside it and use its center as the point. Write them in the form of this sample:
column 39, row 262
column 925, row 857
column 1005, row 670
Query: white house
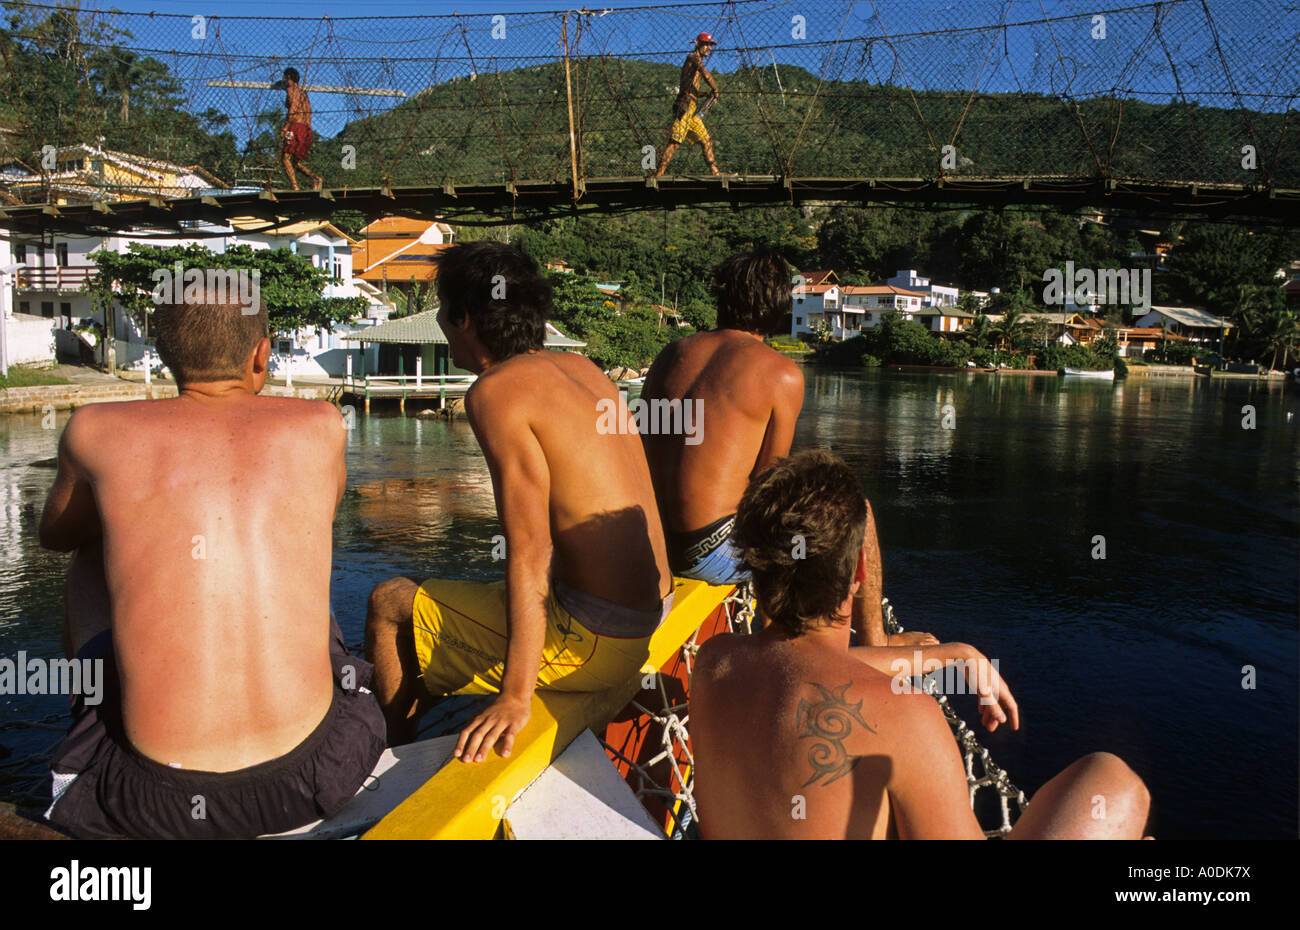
column 851, row 309
column 814, row 304
column 24, row 338
column 54, row 286
column 935, row 295
column 1196, row 325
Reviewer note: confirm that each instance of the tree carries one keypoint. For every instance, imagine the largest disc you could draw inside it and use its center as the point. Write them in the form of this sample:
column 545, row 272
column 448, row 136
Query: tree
column 1213, row 261
column 1004, row 249
column 413, row 297
column 852, row 239
column 822, row 331
column 290, row 285
column 1011, row 329
column 978, row 332
column 1281, row 333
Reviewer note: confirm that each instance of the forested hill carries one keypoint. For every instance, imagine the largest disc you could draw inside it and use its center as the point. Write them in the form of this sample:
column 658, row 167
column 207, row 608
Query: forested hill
column 513, row 125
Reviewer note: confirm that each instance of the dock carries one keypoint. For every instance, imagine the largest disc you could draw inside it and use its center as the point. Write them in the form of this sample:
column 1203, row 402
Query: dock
column 365, row 388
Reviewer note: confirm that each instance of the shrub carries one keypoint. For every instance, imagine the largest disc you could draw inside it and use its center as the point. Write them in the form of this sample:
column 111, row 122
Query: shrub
column 1056, row 357
column 1177, row 353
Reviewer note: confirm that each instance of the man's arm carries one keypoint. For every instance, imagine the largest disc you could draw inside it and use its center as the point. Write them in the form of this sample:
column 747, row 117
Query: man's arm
column 704, row 73
column 521, row 482
column 339, row 443
column 786, row 404
column 71, row 518
column 997, row 705
column 927, row 787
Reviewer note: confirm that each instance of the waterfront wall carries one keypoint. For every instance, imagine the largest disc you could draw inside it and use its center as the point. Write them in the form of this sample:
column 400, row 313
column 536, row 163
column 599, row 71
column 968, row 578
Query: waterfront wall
column 29, row 338
column 70, row 396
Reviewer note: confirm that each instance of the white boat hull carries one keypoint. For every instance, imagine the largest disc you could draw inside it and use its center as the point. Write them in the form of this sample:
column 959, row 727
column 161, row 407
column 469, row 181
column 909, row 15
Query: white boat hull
column 1096, row 375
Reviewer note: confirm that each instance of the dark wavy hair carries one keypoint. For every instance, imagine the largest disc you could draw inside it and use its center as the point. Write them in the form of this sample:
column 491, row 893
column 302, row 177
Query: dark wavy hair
column 799, row 530
column 752, row 290
column 501, row 289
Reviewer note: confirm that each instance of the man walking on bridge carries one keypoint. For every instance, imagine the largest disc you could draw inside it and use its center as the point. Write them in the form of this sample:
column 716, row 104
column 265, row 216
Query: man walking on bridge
column 686, row 110
column 297, row 134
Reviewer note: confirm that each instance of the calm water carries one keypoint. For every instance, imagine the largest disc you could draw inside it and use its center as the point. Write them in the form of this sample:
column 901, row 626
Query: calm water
column 987, row 531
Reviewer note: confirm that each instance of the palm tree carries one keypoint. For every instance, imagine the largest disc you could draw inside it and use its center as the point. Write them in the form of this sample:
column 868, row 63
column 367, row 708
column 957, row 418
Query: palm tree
column 1281, row 333
column 1009, row 328
column 978, row 332
column 118, row 70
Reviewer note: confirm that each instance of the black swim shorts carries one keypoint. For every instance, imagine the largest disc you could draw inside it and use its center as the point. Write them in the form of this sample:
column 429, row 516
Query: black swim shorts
column 102, row 787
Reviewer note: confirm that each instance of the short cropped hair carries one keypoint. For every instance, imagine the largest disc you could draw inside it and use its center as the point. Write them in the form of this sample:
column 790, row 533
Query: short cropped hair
column 799, row 529
column 292, row 74
column 207, row 342
column 752, row 291
column 501, row 289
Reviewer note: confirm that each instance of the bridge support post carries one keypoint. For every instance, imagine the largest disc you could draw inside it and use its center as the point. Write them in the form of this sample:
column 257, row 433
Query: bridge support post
column 568, row 93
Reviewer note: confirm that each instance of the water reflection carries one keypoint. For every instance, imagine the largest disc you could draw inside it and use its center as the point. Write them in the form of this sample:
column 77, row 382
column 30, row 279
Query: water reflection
column 987, row 530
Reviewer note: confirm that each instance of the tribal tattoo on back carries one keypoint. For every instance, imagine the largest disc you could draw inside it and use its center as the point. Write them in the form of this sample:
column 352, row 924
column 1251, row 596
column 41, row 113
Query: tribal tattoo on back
column 829, row 722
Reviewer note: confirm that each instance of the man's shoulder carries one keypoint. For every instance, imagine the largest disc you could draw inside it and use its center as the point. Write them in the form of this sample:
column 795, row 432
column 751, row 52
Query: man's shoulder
column 680, row 349
column 724, row 664
column 713, row 651
column 762, row 361
column 778, row 372
column 521, row 380
column 529, row 367
column 103, row 422
column 299, row 409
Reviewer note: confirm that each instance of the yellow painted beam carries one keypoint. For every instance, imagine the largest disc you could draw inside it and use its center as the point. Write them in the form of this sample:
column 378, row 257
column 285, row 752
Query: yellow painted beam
column 467, row 800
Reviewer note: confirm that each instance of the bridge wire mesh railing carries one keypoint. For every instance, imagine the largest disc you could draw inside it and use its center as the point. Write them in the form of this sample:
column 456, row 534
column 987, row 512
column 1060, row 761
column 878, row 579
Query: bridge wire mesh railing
column 1167, row 91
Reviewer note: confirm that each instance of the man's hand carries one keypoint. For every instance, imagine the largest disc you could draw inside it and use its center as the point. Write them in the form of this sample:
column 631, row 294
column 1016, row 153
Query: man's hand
column 996, row 703
column 502, row 719
column 912, row 639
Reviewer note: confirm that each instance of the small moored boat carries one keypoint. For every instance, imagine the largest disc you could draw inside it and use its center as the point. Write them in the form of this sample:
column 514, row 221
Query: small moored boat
column 1107, row 375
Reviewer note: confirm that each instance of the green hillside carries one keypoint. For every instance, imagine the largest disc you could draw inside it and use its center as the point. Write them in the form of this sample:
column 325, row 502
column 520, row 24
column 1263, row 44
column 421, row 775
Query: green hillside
column 513, row 125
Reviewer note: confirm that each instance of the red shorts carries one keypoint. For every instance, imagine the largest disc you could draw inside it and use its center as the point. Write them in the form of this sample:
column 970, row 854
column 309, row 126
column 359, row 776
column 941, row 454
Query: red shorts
column 297, row 141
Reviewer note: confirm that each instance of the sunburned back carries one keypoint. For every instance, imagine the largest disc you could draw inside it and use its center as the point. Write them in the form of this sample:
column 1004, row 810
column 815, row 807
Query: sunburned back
column 746, row 394
column 217, row 542
column 299, row 106
column 605, row 528
column 784, row 744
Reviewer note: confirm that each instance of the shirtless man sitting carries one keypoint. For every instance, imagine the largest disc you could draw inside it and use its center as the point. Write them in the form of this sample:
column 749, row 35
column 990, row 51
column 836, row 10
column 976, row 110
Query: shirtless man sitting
column 587, row 578
column 750, row 396
column 795, row 737
column 202, row 526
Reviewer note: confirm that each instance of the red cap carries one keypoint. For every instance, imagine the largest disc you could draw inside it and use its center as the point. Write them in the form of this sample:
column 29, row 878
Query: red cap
column 704, row 37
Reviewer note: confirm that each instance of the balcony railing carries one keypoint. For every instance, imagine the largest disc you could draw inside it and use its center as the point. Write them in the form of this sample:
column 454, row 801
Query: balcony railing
column 57, row 278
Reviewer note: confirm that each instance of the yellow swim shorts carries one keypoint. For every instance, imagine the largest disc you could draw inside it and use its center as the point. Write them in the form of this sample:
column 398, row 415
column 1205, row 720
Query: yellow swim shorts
column 460, row 641
column 689, row 124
